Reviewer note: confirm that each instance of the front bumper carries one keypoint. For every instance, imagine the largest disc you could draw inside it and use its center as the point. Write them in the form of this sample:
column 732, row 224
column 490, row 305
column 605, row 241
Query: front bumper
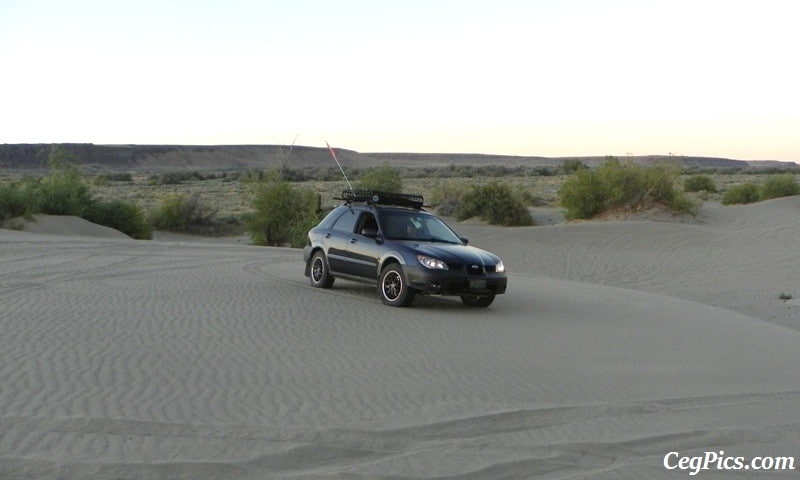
column 454, row 282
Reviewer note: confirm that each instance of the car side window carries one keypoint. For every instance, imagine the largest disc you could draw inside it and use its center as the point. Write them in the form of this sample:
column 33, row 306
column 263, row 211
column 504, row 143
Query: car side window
column 330, row 218
column 366, row 222
column 347, row 222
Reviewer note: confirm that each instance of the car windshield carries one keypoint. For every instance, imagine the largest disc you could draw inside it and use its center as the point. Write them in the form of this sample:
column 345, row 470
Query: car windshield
column 419, row 226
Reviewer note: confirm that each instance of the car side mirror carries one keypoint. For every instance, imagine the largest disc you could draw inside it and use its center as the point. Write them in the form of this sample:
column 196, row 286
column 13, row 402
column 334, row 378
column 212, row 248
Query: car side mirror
column 370, row 233
column 465, row 240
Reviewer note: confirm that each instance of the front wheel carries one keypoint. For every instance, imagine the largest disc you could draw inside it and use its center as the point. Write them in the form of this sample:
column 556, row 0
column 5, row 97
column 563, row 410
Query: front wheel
column 320, row 276
column 478, row 300
column 393, row 289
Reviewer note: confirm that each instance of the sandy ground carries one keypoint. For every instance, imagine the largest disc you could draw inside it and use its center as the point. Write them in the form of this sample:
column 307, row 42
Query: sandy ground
column 617, row 343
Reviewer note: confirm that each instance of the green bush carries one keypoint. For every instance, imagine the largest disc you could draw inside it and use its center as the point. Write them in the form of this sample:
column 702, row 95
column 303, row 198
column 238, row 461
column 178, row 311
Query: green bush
column 120, row 177
column 588, row 193
column 177, row 177
column 63, row 192
column 16, row 200
column 740, row 194
column 125, row 217
column 385, row 178
column 777, row 186
column 698, row 183
column 283, row 214
column 179, row 213
column 572, row 165
column 583, row 195
column 447, row 196
column 495, row 203
column 101, row 180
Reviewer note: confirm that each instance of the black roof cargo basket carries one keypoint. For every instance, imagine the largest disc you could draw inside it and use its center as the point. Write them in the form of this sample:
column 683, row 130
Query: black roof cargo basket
column 383, row 198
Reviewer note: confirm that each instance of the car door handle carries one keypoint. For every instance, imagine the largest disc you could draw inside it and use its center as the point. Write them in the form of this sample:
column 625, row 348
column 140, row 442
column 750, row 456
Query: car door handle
column 327, row 235
column 353, row 240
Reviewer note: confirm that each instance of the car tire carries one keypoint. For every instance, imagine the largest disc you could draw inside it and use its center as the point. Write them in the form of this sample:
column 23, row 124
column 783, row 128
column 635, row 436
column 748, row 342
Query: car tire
column 478, row 300
column 393, row 288
column 319, row 273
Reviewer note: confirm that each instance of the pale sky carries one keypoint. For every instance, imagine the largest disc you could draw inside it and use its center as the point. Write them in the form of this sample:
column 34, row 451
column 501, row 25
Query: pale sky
column 539, row 77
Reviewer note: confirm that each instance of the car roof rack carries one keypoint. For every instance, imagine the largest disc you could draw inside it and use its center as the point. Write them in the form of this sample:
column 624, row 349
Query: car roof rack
column 378, row 197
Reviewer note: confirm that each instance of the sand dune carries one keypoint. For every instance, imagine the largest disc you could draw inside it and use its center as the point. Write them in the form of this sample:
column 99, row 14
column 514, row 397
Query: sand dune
column 65, row 225
column 616, row 344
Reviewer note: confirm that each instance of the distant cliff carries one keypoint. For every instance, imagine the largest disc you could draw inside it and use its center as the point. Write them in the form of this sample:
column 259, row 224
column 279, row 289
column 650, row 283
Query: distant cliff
column 150, row 158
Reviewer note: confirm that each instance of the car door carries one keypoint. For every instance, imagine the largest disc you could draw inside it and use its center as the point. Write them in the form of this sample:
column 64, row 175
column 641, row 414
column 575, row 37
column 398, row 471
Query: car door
column 364, row 251
column 337, row 240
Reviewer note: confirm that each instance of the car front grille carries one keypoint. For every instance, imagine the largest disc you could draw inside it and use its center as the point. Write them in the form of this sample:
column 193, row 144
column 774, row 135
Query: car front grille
column 472, row 269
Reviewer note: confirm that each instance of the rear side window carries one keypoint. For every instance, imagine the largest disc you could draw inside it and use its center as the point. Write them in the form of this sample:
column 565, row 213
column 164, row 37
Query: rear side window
column 347, row 221
column 331, row 217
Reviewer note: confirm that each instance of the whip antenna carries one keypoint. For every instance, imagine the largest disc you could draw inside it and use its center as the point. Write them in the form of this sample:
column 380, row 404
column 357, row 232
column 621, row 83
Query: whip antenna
column 333, row 154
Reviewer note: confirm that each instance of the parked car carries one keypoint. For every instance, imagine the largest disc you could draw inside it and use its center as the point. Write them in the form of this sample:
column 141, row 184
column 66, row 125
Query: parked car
column 391, row 241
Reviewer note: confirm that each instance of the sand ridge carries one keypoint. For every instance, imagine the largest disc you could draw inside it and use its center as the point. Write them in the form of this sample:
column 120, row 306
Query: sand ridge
column 615, row 344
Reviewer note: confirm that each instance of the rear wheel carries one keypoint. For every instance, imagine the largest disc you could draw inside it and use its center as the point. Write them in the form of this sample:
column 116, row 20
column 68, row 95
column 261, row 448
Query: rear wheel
column 478, row 300
column 393, row 289
column 320, row 275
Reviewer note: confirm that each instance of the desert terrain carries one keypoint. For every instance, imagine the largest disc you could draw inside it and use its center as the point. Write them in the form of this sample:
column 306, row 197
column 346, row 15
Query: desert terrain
column 617, row 343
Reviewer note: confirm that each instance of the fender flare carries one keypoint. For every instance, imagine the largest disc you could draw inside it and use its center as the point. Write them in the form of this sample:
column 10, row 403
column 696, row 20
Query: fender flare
column 388, row 257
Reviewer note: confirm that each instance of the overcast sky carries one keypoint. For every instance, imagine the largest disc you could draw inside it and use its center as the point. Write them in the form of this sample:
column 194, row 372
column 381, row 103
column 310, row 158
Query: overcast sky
column 546, row 77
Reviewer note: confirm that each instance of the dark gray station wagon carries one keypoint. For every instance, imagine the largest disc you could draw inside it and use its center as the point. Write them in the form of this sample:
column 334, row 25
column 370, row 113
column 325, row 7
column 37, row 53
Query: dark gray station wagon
column 390, row 240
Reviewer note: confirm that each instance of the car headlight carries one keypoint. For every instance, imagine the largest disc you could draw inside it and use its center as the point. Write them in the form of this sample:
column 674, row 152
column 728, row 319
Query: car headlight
column 432, row 263
column 500, row 268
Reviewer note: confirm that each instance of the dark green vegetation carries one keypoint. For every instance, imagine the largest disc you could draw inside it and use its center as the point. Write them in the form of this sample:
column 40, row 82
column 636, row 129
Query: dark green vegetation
column 740, row 194
column 699, row 183
column 573, row 165
column 188, row 214
column 65, row 192
column 495, row 203
column 384, row 179
column 283, row 214
column 775, row 186
column 614, row 185
column 123, row 216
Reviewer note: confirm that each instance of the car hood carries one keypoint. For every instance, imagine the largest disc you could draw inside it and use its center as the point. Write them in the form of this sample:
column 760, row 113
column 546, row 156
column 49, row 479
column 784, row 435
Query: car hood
column 451, row 253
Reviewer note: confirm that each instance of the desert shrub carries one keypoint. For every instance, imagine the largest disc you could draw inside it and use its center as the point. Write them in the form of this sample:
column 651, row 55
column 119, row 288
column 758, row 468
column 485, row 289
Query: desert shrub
column 120, row 177
column 583, row 195
column 179, row 213
column 16, row 200
column 63, row 192
column 283, row 214
column 778, row 186
column 447, row 196
column 125, row 217
column 252, row 175
column 101, row 180
column 495, row 203
column 177, row 177
column 294, row 174
column 698, row 183
column 572, row 165
column 588, row 193
column 741, row 194
column 385, row 178
column 105, row 179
